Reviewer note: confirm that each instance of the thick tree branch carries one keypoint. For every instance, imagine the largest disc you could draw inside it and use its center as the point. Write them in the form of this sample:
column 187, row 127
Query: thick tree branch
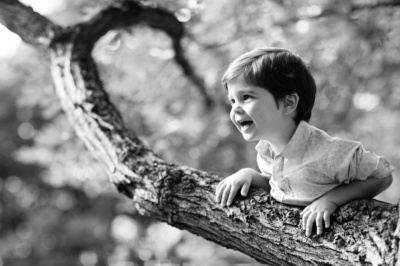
column 129, row 13
column 29, row 25
column 363, row 232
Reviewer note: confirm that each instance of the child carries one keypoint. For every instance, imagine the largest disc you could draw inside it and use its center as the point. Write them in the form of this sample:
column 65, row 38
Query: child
column 272, row 95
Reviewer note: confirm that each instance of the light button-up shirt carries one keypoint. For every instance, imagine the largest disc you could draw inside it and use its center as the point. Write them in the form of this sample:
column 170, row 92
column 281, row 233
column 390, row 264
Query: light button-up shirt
column 313, row 163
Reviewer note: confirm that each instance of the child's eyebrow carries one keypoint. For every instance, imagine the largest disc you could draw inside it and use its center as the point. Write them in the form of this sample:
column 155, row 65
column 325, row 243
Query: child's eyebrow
column 242, row 91
column 247, row 91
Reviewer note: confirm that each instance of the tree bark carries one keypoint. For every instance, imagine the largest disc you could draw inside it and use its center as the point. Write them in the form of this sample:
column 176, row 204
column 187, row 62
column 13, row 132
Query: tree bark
column 364, row 232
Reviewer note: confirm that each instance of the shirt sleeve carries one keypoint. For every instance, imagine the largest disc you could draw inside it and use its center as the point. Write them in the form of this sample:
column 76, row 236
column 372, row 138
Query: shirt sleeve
column 363, row 165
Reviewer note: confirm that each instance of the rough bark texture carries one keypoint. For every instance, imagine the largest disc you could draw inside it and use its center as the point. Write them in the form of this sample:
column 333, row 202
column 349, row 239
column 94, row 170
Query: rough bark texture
column 362, row 233
column 30, row 26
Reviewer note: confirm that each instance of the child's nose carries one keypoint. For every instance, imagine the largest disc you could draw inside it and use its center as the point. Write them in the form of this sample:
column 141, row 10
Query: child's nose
column 237, row 108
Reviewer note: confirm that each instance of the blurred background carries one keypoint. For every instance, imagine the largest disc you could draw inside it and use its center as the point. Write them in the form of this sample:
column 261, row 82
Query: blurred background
column 57, row 206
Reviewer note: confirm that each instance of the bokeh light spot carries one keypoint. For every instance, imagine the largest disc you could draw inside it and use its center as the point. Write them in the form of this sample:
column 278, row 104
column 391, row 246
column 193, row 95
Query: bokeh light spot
column 303, row 26
column 13, row 184
column 22, row 250
column 314, row 11
column 65, row 201
column 194, row 153
column 124, row 228
column 366, row 101
column 183, row 14
column 88, row 258
column 145, row 254
column 163, row 54
column 26, row 131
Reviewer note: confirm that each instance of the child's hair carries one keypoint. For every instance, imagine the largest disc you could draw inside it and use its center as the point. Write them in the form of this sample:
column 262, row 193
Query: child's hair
column 280, row 72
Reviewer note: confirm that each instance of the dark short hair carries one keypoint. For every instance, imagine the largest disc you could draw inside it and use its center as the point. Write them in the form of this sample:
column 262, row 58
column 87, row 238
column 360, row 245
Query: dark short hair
column 279, row 71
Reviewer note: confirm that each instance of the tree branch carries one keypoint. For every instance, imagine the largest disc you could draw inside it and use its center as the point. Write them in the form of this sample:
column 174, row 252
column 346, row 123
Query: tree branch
column 362, row 233
column 29, row 25
column 128, row 13
column 375, row 4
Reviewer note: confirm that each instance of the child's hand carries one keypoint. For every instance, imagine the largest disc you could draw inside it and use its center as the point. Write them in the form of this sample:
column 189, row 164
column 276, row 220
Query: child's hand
column 319, row 210
column 227, row 188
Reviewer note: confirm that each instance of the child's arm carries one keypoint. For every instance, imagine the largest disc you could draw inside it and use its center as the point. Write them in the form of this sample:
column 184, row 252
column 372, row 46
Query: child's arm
column 243, row 179
column 322, row 208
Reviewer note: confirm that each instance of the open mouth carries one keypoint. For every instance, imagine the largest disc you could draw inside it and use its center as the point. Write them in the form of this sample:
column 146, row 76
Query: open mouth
column 245, row 123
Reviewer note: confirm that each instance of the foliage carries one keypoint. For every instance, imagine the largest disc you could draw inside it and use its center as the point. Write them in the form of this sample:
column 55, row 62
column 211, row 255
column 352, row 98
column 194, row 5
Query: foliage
column 56, row 204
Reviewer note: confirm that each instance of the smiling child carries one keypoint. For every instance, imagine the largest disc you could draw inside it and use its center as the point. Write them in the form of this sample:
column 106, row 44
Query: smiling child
column 272, row 94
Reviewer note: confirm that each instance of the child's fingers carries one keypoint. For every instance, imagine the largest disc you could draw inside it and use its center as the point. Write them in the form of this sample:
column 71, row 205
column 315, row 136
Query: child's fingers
column 304, row 219
column 327, row 219
column 318, row 222
column 225, row 195
column 219, row 185
column 232, row 194
column 245, row 189
column 310, row 223
column 219, row 191
column 305, row 210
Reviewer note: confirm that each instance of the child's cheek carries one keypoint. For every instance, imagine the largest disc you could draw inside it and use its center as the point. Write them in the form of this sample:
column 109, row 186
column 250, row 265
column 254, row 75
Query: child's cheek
column 232, row 117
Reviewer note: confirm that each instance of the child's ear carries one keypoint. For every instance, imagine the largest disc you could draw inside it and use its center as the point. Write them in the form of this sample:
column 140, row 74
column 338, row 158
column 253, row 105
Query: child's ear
column 290, row 104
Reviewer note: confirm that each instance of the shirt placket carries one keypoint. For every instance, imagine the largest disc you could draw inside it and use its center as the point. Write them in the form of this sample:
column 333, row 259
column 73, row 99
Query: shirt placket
column 280, row 180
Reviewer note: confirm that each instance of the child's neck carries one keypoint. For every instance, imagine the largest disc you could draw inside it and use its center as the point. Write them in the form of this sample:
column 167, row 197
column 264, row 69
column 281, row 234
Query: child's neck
column 279, row 144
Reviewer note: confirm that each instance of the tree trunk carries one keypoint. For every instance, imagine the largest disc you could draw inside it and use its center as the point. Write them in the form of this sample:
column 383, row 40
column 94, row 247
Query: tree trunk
column 362, row 232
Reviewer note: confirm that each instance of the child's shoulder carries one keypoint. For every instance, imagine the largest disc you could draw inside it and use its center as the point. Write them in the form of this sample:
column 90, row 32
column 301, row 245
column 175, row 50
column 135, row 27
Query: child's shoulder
column 322, row 142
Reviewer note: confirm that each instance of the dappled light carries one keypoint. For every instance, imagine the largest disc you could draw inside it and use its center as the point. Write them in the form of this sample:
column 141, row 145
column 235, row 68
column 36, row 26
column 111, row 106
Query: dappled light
column 57, row 205
column 303, row 26
column 46, row 7
column 9, row 42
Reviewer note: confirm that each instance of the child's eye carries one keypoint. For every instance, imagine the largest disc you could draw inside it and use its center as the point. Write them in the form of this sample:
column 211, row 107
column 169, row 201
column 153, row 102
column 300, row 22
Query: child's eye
column 231, row 101
column 247, row 97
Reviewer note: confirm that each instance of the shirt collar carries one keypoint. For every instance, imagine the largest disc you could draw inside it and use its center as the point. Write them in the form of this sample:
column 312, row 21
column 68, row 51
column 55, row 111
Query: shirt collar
column 297, row 144
column 295, row 147
column 264, row 148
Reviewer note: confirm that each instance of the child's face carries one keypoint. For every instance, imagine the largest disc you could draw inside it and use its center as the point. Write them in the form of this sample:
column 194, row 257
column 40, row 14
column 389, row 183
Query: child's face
column 254, row 111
